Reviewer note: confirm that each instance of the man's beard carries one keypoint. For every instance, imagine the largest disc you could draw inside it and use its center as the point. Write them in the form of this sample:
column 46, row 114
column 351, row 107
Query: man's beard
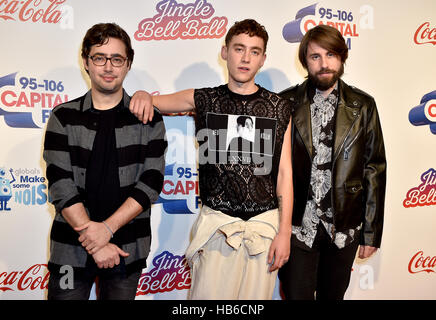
column 325, row 84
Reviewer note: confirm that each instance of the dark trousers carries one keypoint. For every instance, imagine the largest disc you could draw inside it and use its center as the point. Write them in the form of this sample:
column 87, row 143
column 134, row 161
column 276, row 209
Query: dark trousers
column 322, row 273
column 111, row 284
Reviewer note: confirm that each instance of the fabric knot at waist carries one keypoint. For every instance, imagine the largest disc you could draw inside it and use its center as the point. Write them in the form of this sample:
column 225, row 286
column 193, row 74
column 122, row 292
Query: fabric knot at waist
column 236, row 231
column 248, row 232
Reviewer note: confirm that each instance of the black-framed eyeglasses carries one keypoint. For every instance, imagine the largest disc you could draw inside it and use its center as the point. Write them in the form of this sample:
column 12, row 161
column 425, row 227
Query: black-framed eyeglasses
column 100, row 60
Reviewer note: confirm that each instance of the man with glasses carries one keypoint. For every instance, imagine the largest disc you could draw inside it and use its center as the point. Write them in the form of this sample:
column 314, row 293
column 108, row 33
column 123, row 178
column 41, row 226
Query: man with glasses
column 104, row 169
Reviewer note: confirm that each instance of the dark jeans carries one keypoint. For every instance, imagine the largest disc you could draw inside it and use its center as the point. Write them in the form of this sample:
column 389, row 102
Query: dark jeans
column 112, row 284
column 325, row 270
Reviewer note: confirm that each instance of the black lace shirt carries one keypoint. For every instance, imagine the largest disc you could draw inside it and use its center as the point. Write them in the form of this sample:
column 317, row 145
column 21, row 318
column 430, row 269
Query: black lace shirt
column 240, row 141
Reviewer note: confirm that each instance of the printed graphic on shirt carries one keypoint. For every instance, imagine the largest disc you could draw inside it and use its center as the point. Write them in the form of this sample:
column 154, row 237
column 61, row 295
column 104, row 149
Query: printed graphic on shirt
column 237, row 138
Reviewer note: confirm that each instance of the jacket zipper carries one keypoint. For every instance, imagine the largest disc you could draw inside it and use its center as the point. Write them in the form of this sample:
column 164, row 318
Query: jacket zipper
column 333, row 167
column 347, row 149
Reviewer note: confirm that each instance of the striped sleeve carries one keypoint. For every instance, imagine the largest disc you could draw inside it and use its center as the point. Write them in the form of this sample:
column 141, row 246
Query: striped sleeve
column 147, row 189
column 61, row 187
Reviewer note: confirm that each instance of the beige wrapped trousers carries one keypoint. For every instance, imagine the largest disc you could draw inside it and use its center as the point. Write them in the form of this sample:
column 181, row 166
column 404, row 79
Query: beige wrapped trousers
column 228, row 256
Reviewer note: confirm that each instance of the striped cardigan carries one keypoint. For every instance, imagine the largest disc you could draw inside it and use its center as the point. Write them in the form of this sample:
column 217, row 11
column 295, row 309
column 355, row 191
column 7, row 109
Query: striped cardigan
column 69, row 139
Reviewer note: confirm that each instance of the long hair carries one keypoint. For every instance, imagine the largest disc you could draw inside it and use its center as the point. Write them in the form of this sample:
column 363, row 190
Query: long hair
column 328, row 38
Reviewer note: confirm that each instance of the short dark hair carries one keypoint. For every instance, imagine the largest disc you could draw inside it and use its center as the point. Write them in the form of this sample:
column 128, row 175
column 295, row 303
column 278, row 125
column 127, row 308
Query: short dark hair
column 328, row 38
column 241, row 120
column 100, row 33
column 250, row 27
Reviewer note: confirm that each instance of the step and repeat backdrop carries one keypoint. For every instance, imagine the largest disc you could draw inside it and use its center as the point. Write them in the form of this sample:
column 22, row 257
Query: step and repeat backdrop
column 177, row 43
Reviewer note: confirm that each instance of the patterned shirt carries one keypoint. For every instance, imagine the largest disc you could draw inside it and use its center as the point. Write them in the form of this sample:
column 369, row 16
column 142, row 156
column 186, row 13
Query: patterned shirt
column 319, row 206
column 240, row 140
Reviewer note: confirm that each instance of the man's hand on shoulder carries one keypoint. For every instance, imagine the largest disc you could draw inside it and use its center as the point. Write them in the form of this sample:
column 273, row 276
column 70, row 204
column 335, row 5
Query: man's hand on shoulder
column 141, row 105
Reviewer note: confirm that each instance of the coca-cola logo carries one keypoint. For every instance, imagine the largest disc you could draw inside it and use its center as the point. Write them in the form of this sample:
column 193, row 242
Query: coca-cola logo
column 420, row 263
column 31, row 10
column 425, row 34
column 182, row 21
column 34, row 278
column 170, row 272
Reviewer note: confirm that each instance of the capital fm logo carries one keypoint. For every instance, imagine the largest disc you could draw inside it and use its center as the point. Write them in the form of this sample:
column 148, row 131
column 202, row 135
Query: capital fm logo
column 22, row 186
column 347, row 20
column 48, row 11
column 170, row 272
column 425, row 34
column 27, row 101
column 425, row 113
column 180, row 191
column 175, row 20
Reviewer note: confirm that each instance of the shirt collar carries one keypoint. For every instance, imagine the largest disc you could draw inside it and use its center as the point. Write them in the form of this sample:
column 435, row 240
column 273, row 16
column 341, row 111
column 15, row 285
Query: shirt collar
column 333, row 95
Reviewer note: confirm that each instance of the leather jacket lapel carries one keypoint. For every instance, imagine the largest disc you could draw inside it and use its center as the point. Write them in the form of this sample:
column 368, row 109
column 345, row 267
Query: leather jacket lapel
column 345, row 118
column 301, row 118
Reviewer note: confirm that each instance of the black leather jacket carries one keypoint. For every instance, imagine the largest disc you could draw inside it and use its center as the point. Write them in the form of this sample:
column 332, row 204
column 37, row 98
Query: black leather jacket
column 358, row 163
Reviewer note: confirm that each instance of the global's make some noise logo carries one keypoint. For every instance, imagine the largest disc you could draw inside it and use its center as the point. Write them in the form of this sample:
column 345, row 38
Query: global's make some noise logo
column 170, row 272
column 425, row 193
column 31, row 10
column 26, row 102
column 182, row 21
column 26, row 186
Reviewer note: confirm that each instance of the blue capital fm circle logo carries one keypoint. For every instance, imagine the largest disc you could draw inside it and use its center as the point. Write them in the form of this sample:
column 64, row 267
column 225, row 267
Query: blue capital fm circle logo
column 425, row 113
column 349, row 21
column 27, row 101
column 180, row 190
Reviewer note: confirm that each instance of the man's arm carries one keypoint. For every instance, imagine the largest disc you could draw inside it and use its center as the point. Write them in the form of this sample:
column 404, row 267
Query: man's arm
column 280, row 247
column 75, row 215
column 61, row 187
column 375, row 185
column 141, row 104
column 146, row 190
column 96, row 235
column 109, row 256
column 366, row 251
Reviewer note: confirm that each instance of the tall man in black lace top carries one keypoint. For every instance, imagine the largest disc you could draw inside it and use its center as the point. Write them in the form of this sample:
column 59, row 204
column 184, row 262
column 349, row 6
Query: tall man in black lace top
column 339, row 170
column 241, row 236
